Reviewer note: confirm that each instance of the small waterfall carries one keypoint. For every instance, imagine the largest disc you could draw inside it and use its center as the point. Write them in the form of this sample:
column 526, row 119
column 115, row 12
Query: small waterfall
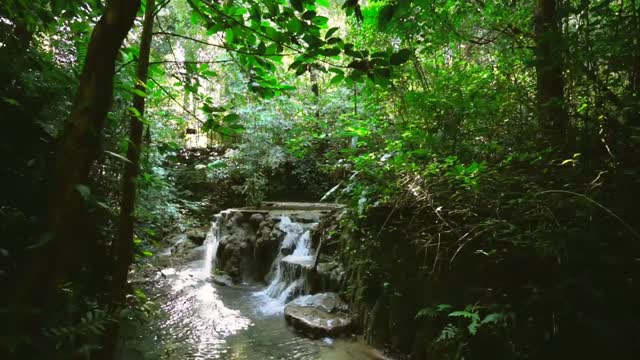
column 211, row 243
column 289, row 272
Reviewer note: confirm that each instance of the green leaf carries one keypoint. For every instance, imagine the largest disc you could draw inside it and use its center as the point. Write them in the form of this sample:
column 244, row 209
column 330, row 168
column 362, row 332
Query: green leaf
column 295, row 26
column 320, row 21
column 385, row 16
column 10, row 101
column 330, row 32
column 330, row 51
column 84, row 191
column 401, row 57
column 493, row 318
column 229, row 36
column 297, row 4
column 218, row 164
column 466, row 314
column 337, row 79
column 308, row 15
column 426, row 312
column 473, row 328
column 138, row 92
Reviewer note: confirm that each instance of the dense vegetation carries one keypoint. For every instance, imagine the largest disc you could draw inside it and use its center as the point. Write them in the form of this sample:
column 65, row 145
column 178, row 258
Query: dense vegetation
column 491, row 146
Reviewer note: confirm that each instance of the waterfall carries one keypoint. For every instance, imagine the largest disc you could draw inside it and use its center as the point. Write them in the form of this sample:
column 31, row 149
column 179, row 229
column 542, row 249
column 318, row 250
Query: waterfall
column 289, row 272
column 211, row 243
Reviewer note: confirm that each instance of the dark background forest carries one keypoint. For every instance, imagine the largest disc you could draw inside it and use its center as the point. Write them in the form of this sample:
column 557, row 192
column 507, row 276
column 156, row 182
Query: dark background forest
column 486, row 150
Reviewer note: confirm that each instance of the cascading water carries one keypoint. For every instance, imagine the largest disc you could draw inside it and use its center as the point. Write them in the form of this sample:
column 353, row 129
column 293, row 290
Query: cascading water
column 211, row 244
column 288, row 272
column 199, row 319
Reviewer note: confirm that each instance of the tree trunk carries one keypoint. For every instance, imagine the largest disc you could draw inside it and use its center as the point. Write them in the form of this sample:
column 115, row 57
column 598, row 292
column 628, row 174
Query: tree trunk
column 313, row 78
column 63, row 253
column 552, row 114
column 634, row 74
column 123, row 247
column 71, row 223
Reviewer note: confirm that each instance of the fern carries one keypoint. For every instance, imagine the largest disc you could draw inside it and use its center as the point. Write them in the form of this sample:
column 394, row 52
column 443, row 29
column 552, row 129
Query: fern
column 473, row 316
column 449, row 333
column 82, row 48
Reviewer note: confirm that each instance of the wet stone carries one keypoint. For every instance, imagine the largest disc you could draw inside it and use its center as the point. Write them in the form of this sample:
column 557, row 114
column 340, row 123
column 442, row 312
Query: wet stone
column 222, row 280
column 319, row 315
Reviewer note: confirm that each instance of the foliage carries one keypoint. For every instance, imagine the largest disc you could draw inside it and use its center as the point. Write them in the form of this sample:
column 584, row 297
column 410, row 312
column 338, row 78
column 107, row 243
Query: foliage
column 427, row 118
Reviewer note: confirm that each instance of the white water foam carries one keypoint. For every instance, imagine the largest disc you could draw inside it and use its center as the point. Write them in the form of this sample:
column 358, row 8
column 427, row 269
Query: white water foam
column 288, row 279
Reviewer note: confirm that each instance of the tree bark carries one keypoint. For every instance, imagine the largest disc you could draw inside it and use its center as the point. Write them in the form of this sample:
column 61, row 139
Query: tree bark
column 62, row 256
column 123, row 247
column 552, row 114
column 634, row 74
column 79, row 147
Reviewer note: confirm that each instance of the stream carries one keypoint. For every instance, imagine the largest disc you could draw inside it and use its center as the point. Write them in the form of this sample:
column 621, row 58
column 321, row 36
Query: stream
column 199, row 319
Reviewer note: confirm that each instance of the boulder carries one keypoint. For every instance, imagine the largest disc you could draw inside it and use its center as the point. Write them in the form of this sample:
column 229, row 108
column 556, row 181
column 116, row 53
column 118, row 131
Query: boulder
column 256, row 219
column 319, row 315
column 181, row 245
column 197, row 235
column 268, row 240
column 232, row 253
column 197, row 253
column 222, row 280
column 326, row 277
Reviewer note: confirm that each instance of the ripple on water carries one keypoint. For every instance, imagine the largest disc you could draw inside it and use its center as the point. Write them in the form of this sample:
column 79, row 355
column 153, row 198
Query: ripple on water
column 200, row 321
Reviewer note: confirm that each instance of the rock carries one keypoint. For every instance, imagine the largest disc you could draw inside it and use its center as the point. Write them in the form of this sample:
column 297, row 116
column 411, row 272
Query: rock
column 305, row 217
column 288, row 249
column 326, row 277
column 256, row 219
column 319, row 315
column 197, row 235
column 197, row 253
column 232, row 252
column 297, row 264
column 222, row 280
column 181, row 244
column 268, row 240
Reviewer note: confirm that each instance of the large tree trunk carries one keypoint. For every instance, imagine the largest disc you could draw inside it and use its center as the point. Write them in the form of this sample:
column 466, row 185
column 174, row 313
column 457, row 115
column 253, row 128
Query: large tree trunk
column 80, row 146
column 63, row 255
column 123, row 246
column 552, row 114
column 634, row 74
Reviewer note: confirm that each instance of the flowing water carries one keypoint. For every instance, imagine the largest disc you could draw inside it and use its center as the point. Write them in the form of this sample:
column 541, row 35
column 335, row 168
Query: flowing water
column 200, row 320
column 287, row 280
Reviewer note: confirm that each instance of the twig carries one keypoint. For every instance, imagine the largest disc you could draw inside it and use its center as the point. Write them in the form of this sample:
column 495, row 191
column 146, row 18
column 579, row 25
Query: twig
column 166, row 33
column 125, row 65
column 177, row 102
column 190, row 62
column 626, row 225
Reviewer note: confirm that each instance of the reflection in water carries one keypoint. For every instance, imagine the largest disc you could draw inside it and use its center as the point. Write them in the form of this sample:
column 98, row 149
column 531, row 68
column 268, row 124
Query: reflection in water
column 201, row 321
column 195, row 321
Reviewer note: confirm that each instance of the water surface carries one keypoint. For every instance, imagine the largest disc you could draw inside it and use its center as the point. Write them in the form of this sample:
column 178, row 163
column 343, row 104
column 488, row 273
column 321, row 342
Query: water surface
column 201, row 320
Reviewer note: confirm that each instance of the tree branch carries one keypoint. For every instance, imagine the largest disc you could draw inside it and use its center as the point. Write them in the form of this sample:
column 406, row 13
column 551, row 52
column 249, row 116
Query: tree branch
column 166, row 33
column 190, row 62
column 176, row 101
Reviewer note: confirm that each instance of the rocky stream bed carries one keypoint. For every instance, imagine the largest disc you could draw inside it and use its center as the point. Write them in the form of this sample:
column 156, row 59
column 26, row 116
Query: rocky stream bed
column 252, row 286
